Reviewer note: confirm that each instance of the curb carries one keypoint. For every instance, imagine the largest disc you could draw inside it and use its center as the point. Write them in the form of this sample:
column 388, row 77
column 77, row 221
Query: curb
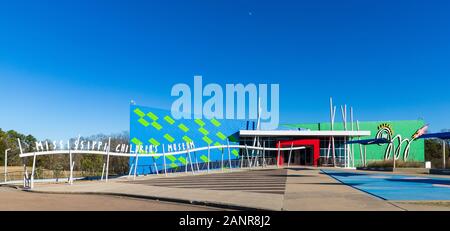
column 10, row 186
column 164, row 199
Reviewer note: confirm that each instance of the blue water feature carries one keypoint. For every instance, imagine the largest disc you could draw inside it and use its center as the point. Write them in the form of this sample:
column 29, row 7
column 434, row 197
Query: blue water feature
column 395, row 187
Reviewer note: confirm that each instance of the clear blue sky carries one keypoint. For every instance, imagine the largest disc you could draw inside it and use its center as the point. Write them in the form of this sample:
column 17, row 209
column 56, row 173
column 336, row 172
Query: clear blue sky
column 71, row 67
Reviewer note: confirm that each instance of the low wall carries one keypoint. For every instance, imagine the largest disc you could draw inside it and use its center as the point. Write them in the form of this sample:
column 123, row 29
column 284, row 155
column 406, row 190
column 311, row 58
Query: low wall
column 440, row 171
column 401, row 170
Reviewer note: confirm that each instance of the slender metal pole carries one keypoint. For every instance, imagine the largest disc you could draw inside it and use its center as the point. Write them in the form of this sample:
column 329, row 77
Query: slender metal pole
column 25, row 175
column 345, row 146
column 352, row 145
column 333, row 151
column 164, row 161
column 361, row 157
column 365, row 156
column 70, row 166
column 229, row 154
column 32, row 170
column 186, row 167
column 190, row 161
column 103, row 171
column 443, row 154
column 290, row 152
column 278, row 156
column 28, row 177
column 328, row 151
column 393, row 150
column 154, row 165
column 25, row 172
column 6, row 164
column 222, row 160
column 242, row 158
column 264, row 155
column 131, row 169
column 332, row 116
column 73, row 165
column 135, row 164
column 248, row 158
column 209, row 155
column 196, row 162
column 107, row 160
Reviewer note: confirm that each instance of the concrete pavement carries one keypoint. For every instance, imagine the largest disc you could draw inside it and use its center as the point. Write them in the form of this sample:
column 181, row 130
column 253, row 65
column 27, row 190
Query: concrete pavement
column 142, row 188
column 297, row 189
column 309, row 189
column 12, row 199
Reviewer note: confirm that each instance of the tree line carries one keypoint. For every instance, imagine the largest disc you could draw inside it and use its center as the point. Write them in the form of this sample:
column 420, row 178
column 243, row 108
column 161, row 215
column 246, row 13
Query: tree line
column 434, row 151
column 88, row 165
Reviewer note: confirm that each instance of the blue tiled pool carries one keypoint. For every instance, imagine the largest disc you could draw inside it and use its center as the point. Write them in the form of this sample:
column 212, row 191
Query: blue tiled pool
column 395, row 187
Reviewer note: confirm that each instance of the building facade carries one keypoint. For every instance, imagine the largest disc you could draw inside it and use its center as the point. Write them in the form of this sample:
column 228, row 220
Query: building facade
column 156, row 131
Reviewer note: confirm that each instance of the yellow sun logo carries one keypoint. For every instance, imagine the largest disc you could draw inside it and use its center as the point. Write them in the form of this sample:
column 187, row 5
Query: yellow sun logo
column 386, row 126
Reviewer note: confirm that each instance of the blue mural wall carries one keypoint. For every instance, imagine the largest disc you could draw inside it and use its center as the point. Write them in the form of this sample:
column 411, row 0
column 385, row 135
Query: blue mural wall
column 156, row 130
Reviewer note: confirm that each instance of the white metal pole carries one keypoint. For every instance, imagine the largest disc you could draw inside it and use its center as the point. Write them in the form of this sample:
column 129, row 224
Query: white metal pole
column 6, row 164
column 164, row 161
column 73, row 165
column 344, row 119
column 332, row 116
column 242, row 158
column 107, row 160
column 229, row 154
column 154, row 164
column 70, row 166
column 248, row 159
column 186, row 167
column 103, row 171
column 443, row 154
column 135, row 164
column 360, row 146
column 222, row 160
column 365, row 155
column 290, row 153
column 131, row 169
column 32, row 170
column 190, row 161
column 332, row 138
column 331, row 127
column 328, row 151
column 352, row 145
column 196, row 162
column 209, row 155
column 393, row 152
column 256, row 157
column 264, row 155
column 332, row 152
column 278, row 156
column 25, row 175
column 20, row 146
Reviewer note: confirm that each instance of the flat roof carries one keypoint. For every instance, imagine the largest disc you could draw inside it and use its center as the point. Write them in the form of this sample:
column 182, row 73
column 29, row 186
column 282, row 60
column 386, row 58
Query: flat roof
column 252, row 133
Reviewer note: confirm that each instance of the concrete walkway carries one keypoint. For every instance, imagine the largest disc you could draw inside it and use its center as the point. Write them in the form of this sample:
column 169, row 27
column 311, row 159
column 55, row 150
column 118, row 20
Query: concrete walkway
column 305, row 189
column 310, row 190
column 221, row 198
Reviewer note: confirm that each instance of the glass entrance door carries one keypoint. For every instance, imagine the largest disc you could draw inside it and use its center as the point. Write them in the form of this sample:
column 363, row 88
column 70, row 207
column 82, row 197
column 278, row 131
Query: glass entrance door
column 300, row 157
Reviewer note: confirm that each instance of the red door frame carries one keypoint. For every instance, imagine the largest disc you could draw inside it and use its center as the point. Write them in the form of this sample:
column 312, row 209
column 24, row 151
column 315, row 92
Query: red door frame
column 315, row 143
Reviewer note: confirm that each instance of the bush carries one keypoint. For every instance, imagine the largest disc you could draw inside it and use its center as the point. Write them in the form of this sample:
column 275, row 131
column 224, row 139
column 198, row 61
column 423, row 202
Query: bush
column 398, row 164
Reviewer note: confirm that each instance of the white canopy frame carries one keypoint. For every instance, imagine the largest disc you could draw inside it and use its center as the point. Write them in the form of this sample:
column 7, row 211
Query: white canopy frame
column 29, row 180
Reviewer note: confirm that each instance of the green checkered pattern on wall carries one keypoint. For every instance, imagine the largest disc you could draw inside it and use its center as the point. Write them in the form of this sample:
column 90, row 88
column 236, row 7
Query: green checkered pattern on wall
column 158, row 123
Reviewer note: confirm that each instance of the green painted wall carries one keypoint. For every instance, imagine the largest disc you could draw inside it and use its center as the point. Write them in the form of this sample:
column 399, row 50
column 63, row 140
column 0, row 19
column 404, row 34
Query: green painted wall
column 404, row 128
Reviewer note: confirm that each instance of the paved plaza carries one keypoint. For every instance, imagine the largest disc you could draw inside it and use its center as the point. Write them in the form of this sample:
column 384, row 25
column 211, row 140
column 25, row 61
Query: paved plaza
column 294, row 189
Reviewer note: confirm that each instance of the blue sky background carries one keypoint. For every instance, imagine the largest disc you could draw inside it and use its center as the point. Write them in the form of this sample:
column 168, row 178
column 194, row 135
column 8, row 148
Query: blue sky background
column 72, row 67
